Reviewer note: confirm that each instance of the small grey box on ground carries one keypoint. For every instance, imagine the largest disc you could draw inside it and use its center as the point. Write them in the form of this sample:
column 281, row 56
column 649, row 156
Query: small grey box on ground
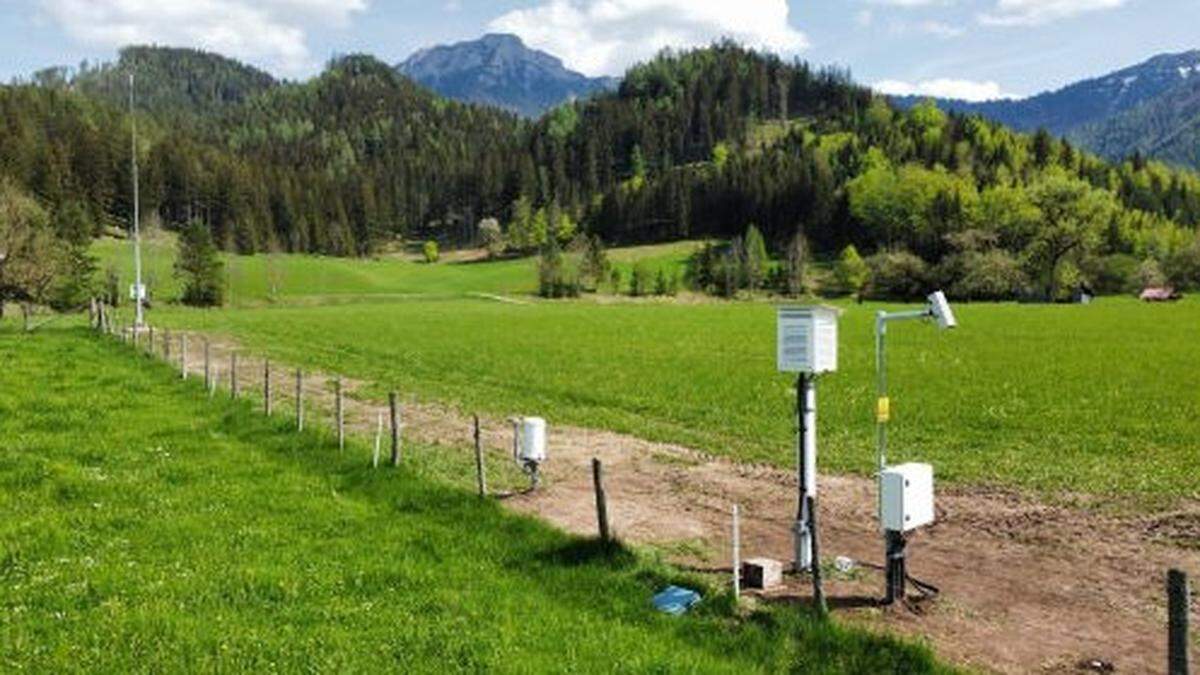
column 762, row 573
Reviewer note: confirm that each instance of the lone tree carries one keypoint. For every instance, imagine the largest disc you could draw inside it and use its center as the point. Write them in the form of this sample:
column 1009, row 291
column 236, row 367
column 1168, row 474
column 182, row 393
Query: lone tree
column 73, row 226
column 199, row 267
column 430, row 250
column 1074, row 216
column 852, row 272
column 797, row 258
column 31, row 256
column 492, row 237
column 755, row 258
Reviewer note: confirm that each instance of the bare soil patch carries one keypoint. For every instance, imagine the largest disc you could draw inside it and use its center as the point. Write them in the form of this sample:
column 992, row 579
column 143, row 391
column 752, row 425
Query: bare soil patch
column 1026, row 585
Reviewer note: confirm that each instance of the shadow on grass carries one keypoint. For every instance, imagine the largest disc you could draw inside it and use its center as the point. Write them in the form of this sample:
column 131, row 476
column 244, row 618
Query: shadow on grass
column 582, row 552
column 846, row 602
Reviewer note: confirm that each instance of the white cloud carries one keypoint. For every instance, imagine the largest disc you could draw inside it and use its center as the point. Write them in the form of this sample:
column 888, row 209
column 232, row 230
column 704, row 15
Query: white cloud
column 1037, row 12
column 966, row 90
column 939, row 29
column 606, row 36
column 269, row 32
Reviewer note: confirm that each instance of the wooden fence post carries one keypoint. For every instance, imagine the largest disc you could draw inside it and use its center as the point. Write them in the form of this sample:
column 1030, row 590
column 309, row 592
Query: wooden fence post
column 207, row 366
column 480, row 470
column 737, row 555
column 167, row 345
column 394, row 410
column 1177, row 609
column 340, row 413
column 183, row 356
column 267, row 387
column 601, row 500
column 299, row 400
column 233, row 381
column 150, row 342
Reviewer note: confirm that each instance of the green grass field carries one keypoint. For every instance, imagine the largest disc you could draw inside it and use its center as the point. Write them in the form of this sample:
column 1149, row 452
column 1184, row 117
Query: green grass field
column 1100, row 399
column 313, row 280
column 149, row 529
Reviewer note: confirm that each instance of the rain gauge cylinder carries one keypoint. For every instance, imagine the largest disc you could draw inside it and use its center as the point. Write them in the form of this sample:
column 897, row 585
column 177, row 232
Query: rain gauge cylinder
column 529, row 445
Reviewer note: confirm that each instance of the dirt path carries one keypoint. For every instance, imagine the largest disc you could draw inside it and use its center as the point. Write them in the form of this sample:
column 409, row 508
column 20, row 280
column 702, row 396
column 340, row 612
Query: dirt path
column 1026, row 586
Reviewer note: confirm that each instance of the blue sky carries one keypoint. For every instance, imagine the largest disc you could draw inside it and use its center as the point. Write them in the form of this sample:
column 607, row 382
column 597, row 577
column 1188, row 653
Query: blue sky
column 971, row 48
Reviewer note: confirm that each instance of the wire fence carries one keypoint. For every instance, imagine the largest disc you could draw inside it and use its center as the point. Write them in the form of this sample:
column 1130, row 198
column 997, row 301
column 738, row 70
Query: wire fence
column 329, row 404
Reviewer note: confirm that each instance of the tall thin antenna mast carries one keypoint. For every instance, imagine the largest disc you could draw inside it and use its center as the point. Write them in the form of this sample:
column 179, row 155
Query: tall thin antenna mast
column 138, row 289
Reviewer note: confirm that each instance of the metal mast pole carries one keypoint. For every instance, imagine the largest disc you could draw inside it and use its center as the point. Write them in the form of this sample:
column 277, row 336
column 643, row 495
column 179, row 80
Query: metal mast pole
column 806, row 463
column 140, row 318
column 894, row 542
column 882, row 413
column 881, row 391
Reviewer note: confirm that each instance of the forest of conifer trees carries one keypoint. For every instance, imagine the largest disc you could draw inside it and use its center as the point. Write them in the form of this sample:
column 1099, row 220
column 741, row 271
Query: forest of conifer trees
column 699, row 144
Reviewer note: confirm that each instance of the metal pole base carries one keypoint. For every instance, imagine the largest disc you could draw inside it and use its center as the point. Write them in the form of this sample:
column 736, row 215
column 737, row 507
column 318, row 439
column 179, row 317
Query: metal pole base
column 897, row 573
column 802, row 544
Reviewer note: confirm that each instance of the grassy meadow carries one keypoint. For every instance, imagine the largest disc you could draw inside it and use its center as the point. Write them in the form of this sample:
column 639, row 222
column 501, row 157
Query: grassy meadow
column 294, row 279
column 150, row 529
column 1100, row 399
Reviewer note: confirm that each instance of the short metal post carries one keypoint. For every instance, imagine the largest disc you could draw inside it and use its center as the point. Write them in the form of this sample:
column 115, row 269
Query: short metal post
column 394, row 413
column 299, row 400
column 339, row 414
column 378, row 442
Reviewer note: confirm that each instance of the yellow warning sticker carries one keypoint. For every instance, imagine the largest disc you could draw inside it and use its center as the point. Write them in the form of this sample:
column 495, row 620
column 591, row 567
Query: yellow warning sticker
column 883, row 410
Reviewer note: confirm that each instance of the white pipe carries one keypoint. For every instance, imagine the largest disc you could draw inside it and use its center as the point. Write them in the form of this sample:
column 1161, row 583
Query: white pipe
column 807, row 417
column 810, row 437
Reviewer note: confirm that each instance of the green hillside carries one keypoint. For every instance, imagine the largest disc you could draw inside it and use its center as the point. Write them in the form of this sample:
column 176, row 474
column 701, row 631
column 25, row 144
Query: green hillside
column 694, row 145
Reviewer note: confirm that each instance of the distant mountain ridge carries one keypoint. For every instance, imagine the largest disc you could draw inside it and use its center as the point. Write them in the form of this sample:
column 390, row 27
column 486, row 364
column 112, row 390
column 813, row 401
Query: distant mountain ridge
column 1166, row 127
column 500, row 70
column 1092, row 110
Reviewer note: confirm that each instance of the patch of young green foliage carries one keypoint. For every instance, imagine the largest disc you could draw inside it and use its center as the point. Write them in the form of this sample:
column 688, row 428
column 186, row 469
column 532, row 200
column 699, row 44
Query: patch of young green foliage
column 148, row 528
column 1097, row 399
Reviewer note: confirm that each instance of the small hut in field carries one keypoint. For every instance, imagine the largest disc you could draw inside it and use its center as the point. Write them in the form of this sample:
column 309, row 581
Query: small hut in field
column 1160, row 294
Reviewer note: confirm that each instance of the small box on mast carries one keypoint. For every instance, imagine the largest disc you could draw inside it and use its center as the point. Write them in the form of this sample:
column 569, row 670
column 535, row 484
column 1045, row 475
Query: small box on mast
column 807, row 340
column 907, row 497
